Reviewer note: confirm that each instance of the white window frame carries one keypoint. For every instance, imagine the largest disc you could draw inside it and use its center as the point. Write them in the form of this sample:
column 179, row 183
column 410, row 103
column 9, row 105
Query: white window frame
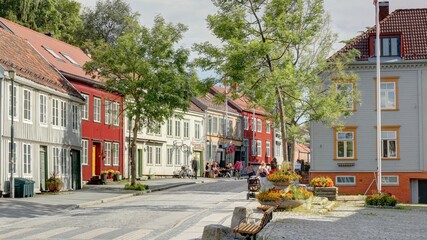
column 197, row 130
column 97, row 109
column 169, row 128
column 245, row 123
column 259, row 125
column 27, row 156
column 43, row 109
column 64, row 113
column 214, row 125
column 259, row 148
column 107, row 152
column 116, row 114
column 149, row 155
column 178, row 128
column 347, row 182
column 85, row 107
column 15, row 102
column 385, row 95
column 55, row 112
column 27, row 106
column 267, row 148
column 345, row 141
column 64, row 162
column 210, row 125
column 254, row 121
column 238, row 128
column 85, row 151
column 177, row 157
column 74, row 117
column 56, row 157
column 158, row 155
column 107, row 112
column 186, row 129
column 386, row 137
column 14, row 157
column 169, row 159
column 116, row 152
column 386, row 180
column 267, row 127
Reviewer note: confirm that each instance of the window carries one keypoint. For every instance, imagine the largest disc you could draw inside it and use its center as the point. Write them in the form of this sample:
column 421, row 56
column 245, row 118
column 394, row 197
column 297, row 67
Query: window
column 253, row 147
column 55, row 112
column 390, row 142
column 14, row 156
column 12, row 105
column 390, row 47
column 85, row 147
column 390, row 180
column 345, row 91
column 107, row 152
column 85, row 114
column 210, row 124
column 43, row 109
column 96, row 109
column 238, row 129
column 158, row 159
column 222, row 126
column 27, row 159
column 27, row 105
column 74, row 117
column 245, row 123
column 70, row 59
column 116, row 114
column 259, row 125
column 214, row 126
column 177, row 128
column 56, row 156
column 186, row 129
column 149, row 155
column 253, row 124
column 267, row 127
column 345, row 143
column 116, row 151
column 64, row 166
column 107, row 113
column 277, row 150
column 170, row 154
column 345, row 180
column 388, row 95
column 197, row 131
column 169, row 127
column 267, row 149
column 259, row 148
column 230, row 130
column 177, row 157
column 53, row 53
column 63, row 114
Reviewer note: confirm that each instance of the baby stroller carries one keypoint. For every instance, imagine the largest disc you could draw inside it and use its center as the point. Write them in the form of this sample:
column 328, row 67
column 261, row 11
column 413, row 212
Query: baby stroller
column 253, row 186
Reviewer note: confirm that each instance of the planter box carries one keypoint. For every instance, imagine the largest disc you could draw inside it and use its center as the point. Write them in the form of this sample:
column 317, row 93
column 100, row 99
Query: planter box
column 328, row 192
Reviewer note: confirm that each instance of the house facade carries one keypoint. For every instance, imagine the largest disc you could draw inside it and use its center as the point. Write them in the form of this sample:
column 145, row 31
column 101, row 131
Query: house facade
column 175, row 143
column 102, row 119
column 348, row 153
column 46, row 118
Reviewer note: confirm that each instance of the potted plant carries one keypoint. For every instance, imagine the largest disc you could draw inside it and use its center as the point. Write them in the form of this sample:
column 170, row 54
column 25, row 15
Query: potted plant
column 322, row 182
column 117, row 176
column 111, row 173
column 54, row 183
column 283, row 178
column 104, row 176
column 324, row 187
column 289, row 198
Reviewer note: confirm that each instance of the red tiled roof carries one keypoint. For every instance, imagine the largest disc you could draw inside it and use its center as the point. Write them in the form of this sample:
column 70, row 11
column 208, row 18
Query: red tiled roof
column 410, row 23
column 241, row 102
column 17, row 53
column 208, row 102
column 303, row 148
column 193, row 107
column 38, row 40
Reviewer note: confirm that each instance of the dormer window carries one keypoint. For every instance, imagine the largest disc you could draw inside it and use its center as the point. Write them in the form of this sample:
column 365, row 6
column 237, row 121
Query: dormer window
column 53, row 53
column 70, row 59
column 390, row 46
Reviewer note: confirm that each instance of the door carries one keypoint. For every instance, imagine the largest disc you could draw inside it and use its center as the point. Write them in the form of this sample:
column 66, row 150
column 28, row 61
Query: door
column 197, row 156
column 93, row 159
column 76, row 170
column 422, row 191
column 43, row 168
column 96, row 158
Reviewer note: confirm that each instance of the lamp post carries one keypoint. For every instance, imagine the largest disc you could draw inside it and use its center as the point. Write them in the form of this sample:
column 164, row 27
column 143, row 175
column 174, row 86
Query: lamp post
column 12, row 147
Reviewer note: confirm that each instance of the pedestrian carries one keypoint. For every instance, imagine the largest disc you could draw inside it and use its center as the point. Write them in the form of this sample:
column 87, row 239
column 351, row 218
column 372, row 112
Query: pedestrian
column 195, row 167
column 208, row 170
column 262, row 174
column 298, row 167
column 238, row 169
column 250, row 170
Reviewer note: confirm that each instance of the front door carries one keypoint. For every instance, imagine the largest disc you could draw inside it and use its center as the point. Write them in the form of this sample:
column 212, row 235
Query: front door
column 43, row 167
column 422, row 191
column 96, row 158
column 76, row 170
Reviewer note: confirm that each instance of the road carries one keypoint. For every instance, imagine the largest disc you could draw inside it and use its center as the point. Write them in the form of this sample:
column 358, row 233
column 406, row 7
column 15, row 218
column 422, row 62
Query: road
column 179, row 213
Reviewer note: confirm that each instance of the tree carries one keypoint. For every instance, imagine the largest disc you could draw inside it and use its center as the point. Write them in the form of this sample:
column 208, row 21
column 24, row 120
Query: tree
column 146, row 67
column 276, row 53
column 59, row 17
column 107, row 21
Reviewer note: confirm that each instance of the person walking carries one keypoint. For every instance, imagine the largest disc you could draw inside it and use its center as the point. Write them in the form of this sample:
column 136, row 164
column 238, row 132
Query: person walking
column 238, row 169
column 262, row 174
column 250, row 170
column 195, row 167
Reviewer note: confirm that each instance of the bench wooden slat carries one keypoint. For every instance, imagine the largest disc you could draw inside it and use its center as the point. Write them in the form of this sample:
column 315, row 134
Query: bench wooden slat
column 253, row 229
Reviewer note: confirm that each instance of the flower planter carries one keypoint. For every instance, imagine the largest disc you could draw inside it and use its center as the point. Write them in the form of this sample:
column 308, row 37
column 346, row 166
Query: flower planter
column 328, row 192
column 281, row 185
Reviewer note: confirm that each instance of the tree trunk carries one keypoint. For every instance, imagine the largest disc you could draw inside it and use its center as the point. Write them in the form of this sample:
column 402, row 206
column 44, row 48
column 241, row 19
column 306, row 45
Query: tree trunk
column 283, row 126
column 133, row 159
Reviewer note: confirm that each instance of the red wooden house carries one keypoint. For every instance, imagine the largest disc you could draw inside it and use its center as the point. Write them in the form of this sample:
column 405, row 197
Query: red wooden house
column 102, row 121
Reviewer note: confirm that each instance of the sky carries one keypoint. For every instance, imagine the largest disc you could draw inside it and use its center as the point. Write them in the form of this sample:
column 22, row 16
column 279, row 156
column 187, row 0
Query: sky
column 348, row 17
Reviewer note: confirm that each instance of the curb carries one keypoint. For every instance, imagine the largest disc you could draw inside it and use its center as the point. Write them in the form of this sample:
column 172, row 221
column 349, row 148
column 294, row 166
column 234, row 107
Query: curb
column 128, row 195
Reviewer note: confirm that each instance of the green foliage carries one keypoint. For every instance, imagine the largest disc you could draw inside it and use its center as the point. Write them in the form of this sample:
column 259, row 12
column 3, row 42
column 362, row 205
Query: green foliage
column 59, row 17
column 137, row 187
column 382, row 199
column 276, row 53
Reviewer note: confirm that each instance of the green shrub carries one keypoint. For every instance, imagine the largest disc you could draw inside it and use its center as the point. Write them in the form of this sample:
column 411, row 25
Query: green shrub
column 137, row 186
column 383, row 199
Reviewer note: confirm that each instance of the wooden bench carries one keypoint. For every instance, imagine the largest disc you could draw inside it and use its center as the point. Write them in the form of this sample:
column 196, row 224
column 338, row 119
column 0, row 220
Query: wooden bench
column 250, row 230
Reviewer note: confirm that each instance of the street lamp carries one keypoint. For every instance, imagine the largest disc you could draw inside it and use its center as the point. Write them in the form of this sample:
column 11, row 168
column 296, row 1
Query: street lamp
column 12, row 147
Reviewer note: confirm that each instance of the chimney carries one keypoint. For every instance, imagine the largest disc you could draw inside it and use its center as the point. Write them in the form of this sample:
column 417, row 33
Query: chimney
column 384, row 10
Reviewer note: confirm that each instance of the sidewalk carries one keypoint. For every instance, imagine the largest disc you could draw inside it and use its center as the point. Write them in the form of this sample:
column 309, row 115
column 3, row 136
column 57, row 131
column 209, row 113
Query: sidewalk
column 97, row 194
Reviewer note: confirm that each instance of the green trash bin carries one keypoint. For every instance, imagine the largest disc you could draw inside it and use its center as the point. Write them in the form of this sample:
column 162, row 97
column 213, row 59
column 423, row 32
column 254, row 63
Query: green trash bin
column 24, row 188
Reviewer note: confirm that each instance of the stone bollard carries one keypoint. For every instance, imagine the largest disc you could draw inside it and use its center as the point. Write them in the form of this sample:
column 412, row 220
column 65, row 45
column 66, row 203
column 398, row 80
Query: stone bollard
column 217, row 232
column 240, row 215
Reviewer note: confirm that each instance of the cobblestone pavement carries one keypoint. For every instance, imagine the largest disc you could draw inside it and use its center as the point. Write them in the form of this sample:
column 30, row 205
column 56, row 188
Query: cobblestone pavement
column 350, row 221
